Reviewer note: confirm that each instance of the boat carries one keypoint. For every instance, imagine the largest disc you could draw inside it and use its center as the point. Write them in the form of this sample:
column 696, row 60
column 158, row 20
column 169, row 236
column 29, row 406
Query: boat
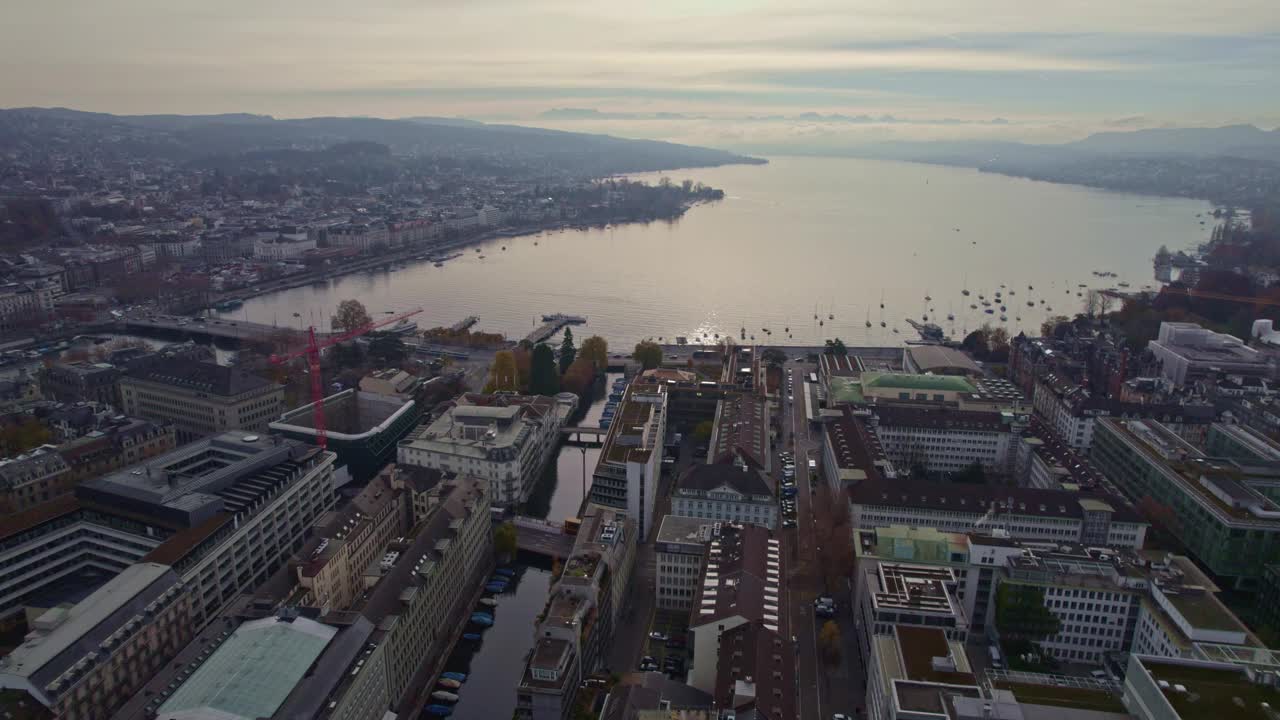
column 439, row 264
column 1004, row 318
column 1123, row 284
column 404, row 327
column 989, row 311
column 972, row 306
column 297, row 314
column 444, row 696
column 882, row 324
column 449, row 683
column 505, row 572
column 460, row 677
column 471, row 636
column 831, row 316
column 439, row 710
column 951, row 317
column 481, row 257
column 482, row 618
column 496, row 587
column 488, row 602
column 500, row 579
column 895, row 331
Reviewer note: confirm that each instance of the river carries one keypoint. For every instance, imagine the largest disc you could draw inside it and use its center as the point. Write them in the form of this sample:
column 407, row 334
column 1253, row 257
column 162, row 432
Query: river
column 794, row 238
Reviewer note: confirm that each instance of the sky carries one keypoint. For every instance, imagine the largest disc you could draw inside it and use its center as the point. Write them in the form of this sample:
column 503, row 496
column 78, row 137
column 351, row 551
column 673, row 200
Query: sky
column 741, row 75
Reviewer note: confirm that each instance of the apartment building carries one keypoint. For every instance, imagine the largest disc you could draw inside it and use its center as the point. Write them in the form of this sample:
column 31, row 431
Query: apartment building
column 363, row 238
column 584, row 606
column 81, row 382
column 32, row 478
column 1221, row 509
column 630, row 465
column 1027, row 514
column 1042, row 460
column 80, row 662
column 504, row 439
column 679, row 549
column 1072, row 412
column 22, row 303
column 200, row 398
column 727, row 492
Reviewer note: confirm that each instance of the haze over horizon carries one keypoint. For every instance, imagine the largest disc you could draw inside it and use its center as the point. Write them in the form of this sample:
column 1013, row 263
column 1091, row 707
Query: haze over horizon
column 810, row 76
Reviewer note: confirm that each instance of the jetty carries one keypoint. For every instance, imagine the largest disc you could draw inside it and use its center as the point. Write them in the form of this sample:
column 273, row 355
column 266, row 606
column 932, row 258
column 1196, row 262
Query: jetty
column 552, row 324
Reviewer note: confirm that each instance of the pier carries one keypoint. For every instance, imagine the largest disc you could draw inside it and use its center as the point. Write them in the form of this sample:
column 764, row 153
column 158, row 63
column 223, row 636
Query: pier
column 552, row 324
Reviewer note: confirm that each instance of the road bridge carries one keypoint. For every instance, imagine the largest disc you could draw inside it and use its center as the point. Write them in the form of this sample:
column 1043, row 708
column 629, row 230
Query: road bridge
column 211, row 328
column 542, row 537
column 584, row 436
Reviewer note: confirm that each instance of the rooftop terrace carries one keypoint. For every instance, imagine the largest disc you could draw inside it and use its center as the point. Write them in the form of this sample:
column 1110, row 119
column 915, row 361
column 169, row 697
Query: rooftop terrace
column 1212, row 692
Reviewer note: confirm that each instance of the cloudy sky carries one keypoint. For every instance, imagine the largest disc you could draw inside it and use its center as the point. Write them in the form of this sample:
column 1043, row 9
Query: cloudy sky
column 728, row 73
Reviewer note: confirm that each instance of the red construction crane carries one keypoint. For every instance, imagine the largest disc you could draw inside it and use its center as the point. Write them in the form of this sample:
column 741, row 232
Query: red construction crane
column 312, row 352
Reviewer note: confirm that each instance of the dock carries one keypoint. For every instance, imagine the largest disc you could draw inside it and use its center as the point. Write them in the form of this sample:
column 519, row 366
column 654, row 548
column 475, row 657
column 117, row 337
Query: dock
column 464, row 324
column 552, row 324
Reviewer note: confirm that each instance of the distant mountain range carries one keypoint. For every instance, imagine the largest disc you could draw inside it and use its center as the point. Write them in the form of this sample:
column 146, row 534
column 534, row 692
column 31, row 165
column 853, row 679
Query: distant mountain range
column 187, row 138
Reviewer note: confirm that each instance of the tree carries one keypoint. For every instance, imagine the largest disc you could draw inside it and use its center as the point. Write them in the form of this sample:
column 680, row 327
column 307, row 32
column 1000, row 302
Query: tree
column 579, row 378
column 836, row 347
column 350, row 316
column 1048, row 327
column 774, row 357
column 568, row 353
column 595, row 349
column 973, row 474
column 346, row 355
column 702, row 431
column 387, row 350
column 543, row 377
column 648, row 354
column 22, row 436
column 505, row 540
column 829, row 641
column 502, row 374
column 1021, row 614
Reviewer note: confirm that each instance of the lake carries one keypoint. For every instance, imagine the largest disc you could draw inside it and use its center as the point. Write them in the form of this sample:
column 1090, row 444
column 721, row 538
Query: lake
column 794, row 238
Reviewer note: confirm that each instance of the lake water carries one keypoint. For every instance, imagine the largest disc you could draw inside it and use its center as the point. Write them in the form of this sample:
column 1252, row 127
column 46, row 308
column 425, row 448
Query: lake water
column 794, row 238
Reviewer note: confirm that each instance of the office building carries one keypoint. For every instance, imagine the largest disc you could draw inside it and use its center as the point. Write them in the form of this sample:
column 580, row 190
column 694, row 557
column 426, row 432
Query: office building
column 679, row 549
column 200, row 398
column 943, row 441
column 852, row 453
column 630, row 465
column 915, row 673
column 1241, row 443
column 728, row 492
column 504, row 439
column 362, row 428
column 81, row 382
column 889, row 595
column 1044, row 461
column 1027, row 514
column 1071, row 412
column 741, row 582
column 1222, row 510
column 576, row 628
column 1186, row 351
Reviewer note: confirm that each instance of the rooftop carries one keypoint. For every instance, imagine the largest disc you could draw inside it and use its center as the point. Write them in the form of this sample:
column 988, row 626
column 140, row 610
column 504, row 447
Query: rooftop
column 910, row 381
column 204, row 377
column 633, row 434
column 705, row 478
column 250, row 675
column 676, row 529
column 741, row 577
column 1211, row 690
column 940, row 358
column 979, row 499
column 928, row 656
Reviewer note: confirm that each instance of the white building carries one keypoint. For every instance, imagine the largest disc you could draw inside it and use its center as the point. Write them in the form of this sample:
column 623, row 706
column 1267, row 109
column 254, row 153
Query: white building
column 679, row 549
column 490, row 216
column 274, row 248
column 506, row 440
column 1026, row 514
column 946, row 440
column 1187, row 351
column 726, row 492
column 364, row 238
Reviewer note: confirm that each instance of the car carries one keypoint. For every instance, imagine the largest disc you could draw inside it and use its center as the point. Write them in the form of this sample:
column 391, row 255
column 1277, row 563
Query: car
column 824, row 600
column 655, row 635
column 648, row 667
column 647, row 660
column 788, row 523
column 825, row 611
column 840, row 716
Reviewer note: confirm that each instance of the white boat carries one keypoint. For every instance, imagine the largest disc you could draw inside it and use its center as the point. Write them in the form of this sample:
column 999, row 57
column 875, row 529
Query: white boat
column 449, row 683
column 490, row 602
column 444, row 696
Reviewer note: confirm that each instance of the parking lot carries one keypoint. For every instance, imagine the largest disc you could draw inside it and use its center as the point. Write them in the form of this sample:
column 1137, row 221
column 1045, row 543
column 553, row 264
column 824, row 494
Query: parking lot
column 673, row 628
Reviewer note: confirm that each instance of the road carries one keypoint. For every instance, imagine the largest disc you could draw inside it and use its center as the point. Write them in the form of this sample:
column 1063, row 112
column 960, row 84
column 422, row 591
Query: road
column 823, row 688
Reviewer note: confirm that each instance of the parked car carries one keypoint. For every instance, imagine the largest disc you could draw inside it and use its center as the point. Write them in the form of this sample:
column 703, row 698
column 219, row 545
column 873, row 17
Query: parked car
column 655, row 635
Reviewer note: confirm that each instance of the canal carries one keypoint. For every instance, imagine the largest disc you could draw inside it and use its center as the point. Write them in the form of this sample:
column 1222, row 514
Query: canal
column 494, row 663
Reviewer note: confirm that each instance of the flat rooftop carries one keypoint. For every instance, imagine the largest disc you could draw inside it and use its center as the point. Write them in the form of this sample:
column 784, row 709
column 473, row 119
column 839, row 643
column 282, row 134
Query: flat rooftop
column 679, row 530
column 632, row 437
column 1212, row 692
column 349, row 415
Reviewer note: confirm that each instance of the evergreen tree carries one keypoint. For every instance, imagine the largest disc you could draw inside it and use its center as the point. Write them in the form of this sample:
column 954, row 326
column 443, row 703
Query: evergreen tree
column 543, row 378
column 568, row 353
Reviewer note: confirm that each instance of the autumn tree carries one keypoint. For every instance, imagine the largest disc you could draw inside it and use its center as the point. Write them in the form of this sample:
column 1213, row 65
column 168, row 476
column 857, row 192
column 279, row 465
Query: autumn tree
column 579, row 378
column 1048, row 327
column 702, row 431
column 21, row 436
column 502, row 374
column 350, row 316
column 568, row 353
column 595, row 349
column 648, row 354
column 505, row 540
column 543, row 377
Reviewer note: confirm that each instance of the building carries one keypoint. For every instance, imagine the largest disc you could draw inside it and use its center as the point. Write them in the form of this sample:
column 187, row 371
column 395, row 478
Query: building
column 1242, row 443
column 81, row 382
column 504, row 439
column 390, row 382
column 1186, row 351
column 630, row 465
column 891, row 595
column 251, row 673
column 852, row 452
column 200, row 398
column 25, row 304
column 940, row 360
column 82, row 661
column 1071, row 412
column 943, row 440
column 363, row 428
column 32, row 478
column 679, row 549
column 755, row 675
column 1044, row 461
column 740, row 585
column 1182, row 689
column 728, row 492
column 359, row 237
column 1027, row 514
column 576, row 628
column 1220, row 509
column 916, row 673
column 740, row 429
column 282, row 248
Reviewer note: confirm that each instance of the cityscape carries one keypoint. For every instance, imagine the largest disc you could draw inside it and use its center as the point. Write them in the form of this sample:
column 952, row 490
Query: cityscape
column 727, row 400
